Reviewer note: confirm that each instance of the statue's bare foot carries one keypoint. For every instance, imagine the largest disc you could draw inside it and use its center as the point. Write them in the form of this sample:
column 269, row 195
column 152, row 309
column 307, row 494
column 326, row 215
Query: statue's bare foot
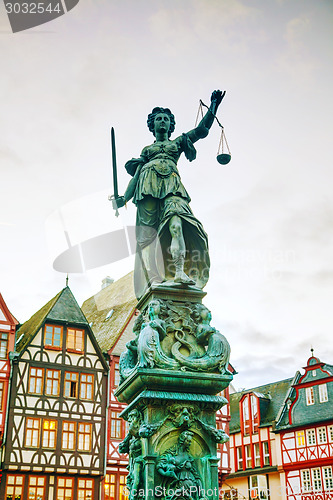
column 181, row 277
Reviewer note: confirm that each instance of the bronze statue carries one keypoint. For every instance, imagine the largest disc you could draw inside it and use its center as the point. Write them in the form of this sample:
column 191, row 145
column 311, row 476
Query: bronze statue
column 171, row 243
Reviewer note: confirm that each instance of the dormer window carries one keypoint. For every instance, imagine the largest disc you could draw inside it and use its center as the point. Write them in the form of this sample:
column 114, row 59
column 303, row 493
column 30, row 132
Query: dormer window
column 53, row 336
column 250, row 414
column 75, row 340
column 323, row 396
column 309, row 396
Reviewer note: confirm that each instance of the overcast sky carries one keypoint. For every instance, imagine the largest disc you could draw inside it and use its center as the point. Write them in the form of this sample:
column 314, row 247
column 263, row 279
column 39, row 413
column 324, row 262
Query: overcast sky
column 268, row 214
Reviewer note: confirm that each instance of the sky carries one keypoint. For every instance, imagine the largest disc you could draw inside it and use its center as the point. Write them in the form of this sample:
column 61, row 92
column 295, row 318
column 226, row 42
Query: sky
column 268, row 213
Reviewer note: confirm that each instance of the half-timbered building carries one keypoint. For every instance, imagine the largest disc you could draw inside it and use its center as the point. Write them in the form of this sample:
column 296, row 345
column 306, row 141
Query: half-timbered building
column 7, row 341
column 55, row 444
column 305, row 425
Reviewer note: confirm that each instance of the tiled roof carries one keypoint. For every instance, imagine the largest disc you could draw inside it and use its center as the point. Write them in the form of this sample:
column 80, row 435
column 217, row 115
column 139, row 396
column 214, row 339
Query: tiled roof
column 109, row 311
column 271, row 397
column 63, row 307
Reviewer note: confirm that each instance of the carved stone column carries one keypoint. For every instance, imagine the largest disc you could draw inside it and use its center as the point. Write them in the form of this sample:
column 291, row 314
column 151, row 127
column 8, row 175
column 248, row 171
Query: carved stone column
column 171, row 376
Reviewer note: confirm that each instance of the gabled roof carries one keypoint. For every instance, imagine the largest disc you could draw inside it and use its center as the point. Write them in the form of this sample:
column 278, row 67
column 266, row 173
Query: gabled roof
column 273, row 394
column 5, row 314
column 63, row 307
column 109, row 311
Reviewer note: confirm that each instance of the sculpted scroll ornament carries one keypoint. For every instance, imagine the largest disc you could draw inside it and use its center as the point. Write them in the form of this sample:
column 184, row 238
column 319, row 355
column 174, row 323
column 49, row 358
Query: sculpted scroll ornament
column 166, row 331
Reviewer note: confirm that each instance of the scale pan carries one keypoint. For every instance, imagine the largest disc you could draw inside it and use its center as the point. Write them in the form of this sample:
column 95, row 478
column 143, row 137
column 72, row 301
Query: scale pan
column 223, row 158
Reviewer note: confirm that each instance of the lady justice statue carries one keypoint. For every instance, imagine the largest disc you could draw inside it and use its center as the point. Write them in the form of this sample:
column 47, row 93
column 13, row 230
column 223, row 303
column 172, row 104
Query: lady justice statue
column 172, row 245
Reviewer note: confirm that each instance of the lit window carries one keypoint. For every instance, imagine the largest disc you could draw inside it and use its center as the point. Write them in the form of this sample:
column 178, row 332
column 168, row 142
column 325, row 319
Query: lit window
column 84, row 437
column 3, row 345
column 258, row 487
column 330, row 433
column 115, row 427
column 36, row 489
column 85, row 489
column 322, row 436
column 32, row 432
column 323, row 397
column 239, row 458
column 65, row 488
column 266, row 453
column 14, row 487
column 2, row 385
column 306, row 481
column 300, row 439
column 256, row 455
column 123, row 491
column 86, row 386
column 36, row 380
column 316, row 479
column 53, row 336
column 71, row 384
column 311, row 437
column 328, row 478
column 309, row 396
column 110, row 487
column 68, row 435
column 52, row 382
column 248, row 456
column 75, row 339
column 49, row 434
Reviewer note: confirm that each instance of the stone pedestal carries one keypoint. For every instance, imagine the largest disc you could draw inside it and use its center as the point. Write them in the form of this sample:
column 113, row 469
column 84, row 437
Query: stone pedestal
column 172, row 440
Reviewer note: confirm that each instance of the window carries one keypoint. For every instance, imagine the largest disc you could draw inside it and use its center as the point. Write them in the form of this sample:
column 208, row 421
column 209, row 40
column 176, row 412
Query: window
column 86, row 386
column 14, row 487
column 65, row 488
column 309, row 396
column 300, row 439
column 2, row 385
column 323, row 397
column 75, row 340
column 328, row 478
column 256, row 454
column 246, row 416
column 266, row 453
column 322, row 436
column 258, row 487
column 3, row 345
column 85, row 489
column 49, row 434
column 68, row 435
column 36, row 489
column 239, row 458
column 36, row 380
column 84, row 437
column 115, row 427
column 71, row 384
column 330, row 433
column 116, row 374
column 248, row 456
column 32, row 432
column 52, row 382
column 123, row 491
column 53, row 336
column 316, row 479
column 306, row 481
column 314, row 373
column 311, row 437
column 110, row 487
column 254, row 411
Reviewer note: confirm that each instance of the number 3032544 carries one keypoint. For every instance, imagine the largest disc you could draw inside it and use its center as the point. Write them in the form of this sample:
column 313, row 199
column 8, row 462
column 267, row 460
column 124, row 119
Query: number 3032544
column 32, row 8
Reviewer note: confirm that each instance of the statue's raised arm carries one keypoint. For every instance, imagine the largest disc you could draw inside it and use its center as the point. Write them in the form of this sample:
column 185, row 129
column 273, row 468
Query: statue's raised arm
column 205, row 124
column 172, row 245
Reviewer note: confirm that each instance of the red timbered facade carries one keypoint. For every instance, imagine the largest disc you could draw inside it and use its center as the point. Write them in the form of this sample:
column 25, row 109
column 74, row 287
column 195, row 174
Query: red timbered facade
column 7, row 342
column 305, row 425
column 56, row 427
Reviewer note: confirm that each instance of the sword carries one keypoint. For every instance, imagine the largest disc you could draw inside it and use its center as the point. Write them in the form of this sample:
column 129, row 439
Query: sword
column 115, row 195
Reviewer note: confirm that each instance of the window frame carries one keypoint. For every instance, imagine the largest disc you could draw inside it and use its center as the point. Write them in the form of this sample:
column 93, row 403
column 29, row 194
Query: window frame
column 4, row 338
column 311, row 437
column 248, row 456
column 15, row 485
column 84, row 434
column 87, row 384
column 116, row 425
column 70, row 382
column 321, row 432
column 69, row 432
column 300, row 439
column 323, row 394
column 36, row 378
column 36, row 487
column 2, row 394
column 265, row 453
column 33, row 431
column 309, row 396
column 239, row 455
column 85, row 489
column 306, row 481
column 52, row 346
column 328, row 478
column 316, row 472
column 65, row 487
column 49, row 432
column 257, row 455
column 52, row 379
column 75, row 348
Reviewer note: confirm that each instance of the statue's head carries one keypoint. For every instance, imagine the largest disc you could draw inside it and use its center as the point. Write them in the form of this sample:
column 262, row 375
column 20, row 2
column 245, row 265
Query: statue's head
column 157, row 114
column 185, row 438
